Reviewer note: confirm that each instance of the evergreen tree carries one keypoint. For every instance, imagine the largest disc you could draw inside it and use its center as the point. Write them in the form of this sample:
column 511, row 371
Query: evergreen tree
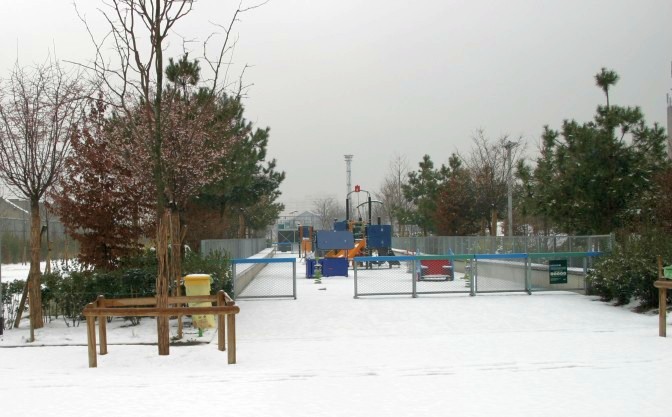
column 591, row 177
column 455, row 214
column 605, row 79
column 422, row 190
column 246, row 194
column 183, row 73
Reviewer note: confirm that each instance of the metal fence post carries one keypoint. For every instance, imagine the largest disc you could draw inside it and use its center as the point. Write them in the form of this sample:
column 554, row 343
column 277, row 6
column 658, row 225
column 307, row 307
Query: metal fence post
column 294, row 278
column 414, row 277
column 472, row 278
column 354, row 264
column 233, row 278
column 585, row 274
column 528, row 274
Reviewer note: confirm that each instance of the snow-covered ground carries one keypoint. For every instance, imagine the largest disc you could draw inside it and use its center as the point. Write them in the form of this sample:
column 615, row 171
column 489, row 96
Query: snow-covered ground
column 327, row 354
column 12, row 272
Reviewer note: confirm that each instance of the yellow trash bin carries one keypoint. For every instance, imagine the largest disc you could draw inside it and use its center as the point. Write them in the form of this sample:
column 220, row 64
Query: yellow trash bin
column 199, row 284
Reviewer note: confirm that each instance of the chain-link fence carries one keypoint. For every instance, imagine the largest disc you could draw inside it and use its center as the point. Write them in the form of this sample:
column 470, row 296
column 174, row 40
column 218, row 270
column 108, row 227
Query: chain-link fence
column 234, row 248
column 384, row 275
column 472, row 274
column 500, row 272
column 441, row 275
column 264, row 278
column 560, row 271
column 444, row 245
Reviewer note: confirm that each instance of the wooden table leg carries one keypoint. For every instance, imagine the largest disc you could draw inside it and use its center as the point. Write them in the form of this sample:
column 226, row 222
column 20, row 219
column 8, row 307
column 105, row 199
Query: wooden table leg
column 102, row 334
column 231, row 335
column 662, row 314
column 91, row 339
column 221, row 332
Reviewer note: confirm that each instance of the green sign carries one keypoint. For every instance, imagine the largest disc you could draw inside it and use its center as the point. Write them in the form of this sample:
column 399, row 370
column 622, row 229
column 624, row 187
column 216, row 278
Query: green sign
column 557, row 271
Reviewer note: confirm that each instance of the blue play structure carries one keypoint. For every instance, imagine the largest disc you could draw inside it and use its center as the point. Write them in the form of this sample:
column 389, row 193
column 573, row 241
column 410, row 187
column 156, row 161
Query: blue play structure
column 333, row 240
column 348, row 240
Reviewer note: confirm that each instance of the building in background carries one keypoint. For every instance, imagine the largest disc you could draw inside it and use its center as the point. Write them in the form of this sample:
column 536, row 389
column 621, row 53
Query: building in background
column 15, row 232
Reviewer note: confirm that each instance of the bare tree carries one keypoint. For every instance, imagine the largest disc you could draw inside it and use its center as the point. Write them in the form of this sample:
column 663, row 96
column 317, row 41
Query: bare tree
column 39, row 108
column 487, row 165
column 327, row 209
column 391, row 195
column 134, row 82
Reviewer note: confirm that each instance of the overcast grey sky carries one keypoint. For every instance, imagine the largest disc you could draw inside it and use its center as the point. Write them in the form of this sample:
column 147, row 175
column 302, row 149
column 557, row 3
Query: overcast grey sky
column 378, row 78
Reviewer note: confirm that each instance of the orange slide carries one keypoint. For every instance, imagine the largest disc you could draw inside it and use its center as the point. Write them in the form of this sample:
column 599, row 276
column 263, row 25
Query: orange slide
column 351, row 253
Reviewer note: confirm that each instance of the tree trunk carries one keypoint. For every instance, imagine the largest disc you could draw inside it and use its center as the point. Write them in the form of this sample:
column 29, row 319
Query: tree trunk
column 176, row 261
column 22, row 304
column 34, row 275
column 493, row 224
column 241, row 226
column 162, row 276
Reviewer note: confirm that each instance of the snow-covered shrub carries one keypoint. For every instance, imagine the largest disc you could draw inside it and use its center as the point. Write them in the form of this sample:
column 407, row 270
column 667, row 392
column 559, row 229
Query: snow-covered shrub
column 68, row 288
column 215, row 264
column 629, row 271
column 11, row 295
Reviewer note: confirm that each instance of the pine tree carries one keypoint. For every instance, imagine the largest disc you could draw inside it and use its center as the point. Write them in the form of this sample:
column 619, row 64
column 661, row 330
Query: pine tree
column 591, row 177
column 422, row 190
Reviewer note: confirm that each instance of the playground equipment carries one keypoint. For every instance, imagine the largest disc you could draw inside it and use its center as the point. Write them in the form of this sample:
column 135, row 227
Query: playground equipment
column 305, row 239
column 367, row 238
column 359, row 248
column 336, row 249
column 334, row 241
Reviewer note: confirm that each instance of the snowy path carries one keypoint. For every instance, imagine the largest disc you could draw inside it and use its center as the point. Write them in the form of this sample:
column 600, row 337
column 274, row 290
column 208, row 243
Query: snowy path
column 327, row 354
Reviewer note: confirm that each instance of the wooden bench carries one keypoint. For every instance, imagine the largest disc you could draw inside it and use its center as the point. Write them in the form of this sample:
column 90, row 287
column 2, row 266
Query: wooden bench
column 102, row 308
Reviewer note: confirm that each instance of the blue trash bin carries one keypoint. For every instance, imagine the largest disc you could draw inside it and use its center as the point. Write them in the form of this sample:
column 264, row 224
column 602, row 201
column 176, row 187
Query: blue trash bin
column 310, row 268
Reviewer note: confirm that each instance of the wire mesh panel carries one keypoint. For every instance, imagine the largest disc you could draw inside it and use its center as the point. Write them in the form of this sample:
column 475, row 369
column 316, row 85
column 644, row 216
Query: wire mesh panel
column 235, row 248
column 384, row 275
column 500, row 272
column 264, row 278
column 442, row 274
column 478, row 273
column 449, row 245
column 564, row 271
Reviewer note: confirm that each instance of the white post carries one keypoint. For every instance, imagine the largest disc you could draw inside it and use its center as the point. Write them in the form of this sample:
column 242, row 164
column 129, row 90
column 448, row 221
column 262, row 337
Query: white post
column 508, row 147
column 2, row 305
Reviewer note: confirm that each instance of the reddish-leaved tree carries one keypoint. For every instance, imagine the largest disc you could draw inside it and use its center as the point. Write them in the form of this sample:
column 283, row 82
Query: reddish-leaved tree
column 101, row 202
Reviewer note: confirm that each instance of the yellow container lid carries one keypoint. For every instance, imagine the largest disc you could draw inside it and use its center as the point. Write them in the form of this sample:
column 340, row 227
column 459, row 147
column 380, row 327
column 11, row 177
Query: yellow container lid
column 197, row 279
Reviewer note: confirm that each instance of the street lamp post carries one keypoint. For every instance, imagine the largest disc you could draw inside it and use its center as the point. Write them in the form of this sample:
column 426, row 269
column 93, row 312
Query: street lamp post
column 300, row 239
column 2, row 304
column 509, row 145
column 293, row 214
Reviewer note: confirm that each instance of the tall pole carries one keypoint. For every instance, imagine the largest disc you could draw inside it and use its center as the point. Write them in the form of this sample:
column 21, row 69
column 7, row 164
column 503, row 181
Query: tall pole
column 508, row 147
column 2, row 304
column 348, row 180
column 669, row 127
